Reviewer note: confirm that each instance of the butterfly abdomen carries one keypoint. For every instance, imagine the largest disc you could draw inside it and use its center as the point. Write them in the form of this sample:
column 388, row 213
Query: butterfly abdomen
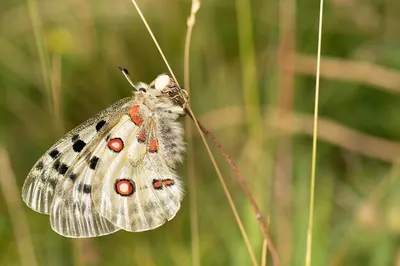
column 170, row 131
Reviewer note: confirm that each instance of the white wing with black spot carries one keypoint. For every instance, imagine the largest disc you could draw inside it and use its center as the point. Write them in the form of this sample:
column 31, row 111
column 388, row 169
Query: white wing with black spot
column 72, row 213
column 40, row 185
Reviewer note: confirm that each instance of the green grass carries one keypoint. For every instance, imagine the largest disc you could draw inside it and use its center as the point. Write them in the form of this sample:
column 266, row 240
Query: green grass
column 357, row 203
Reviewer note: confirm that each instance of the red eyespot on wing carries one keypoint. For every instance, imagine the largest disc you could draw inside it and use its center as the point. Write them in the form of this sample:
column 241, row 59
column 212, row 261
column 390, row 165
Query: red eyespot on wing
column 157, row 184
column 116, row 144
column 153, row 145
column 142, row 136
column 125, row 187
column 168, row 182
column 134, row 114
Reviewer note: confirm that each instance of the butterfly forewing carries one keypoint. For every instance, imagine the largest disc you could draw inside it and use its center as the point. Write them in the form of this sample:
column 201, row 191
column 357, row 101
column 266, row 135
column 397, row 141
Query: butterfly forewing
column 73, row 213
column 39, row 187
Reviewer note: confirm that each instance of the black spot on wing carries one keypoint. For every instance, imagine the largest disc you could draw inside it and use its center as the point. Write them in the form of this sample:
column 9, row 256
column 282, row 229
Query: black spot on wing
column 39, row 165
column 100, row 124
column 43, row 177
column 56, row 165
column 54, row 153
column 62, row 169
column 53, row 183
column 93, row 162
column 87, row 189
column 72, row 176
column 75, row 137
column 78, row 145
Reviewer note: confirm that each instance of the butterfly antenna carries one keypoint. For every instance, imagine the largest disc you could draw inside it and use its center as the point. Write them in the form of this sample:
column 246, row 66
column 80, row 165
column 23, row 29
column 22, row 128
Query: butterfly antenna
column 126, row 74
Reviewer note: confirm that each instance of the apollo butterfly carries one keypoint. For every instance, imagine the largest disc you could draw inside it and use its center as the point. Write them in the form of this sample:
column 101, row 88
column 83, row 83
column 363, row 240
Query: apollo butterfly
column 116, row 170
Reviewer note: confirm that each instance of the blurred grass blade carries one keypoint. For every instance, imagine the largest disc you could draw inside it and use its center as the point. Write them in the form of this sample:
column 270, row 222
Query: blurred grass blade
column 249, row 70
column 41, row 47
column 56, row 84
column 283, row 168
column 11, row 195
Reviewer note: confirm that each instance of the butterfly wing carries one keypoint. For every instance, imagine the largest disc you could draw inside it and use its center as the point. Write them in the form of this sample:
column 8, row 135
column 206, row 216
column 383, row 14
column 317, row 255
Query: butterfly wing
column 134, row 187
column 49, row 170
column 72, row 213
column 114, row 171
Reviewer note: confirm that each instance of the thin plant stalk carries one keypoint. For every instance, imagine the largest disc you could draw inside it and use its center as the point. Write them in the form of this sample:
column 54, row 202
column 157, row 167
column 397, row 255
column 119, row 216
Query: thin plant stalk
column 224, row 186
column 239, row 175
column 264, row 253
column 154, row 40
column 194, row 223
column 314, row 146
column 233, row 165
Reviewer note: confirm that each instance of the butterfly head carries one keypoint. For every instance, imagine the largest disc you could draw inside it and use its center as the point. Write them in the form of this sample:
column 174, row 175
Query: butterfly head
column 164, row 85
column 158, row 89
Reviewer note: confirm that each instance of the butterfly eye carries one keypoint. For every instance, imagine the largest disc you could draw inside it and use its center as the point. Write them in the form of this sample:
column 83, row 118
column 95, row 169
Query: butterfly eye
column 142, row 89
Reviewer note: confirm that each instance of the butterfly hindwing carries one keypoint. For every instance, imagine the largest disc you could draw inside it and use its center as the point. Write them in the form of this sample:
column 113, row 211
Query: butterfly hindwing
column 40, row 185
column 72, row 213
column 135, row 188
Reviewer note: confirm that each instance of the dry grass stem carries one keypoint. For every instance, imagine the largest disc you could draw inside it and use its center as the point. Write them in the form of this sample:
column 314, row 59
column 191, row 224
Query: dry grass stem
column 362, row 72
column 190, row 24
column 155, row 40
column 201, row 129
column 314, row 145
column 243, row 182
column 264, row 253
column 18, row 219
column 194, row 223
column 328, row 130
column 188, row 109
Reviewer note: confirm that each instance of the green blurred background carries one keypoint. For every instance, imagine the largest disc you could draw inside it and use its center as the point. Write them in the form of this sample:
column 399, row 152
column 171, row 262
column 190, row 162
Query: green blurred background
column 252, row 84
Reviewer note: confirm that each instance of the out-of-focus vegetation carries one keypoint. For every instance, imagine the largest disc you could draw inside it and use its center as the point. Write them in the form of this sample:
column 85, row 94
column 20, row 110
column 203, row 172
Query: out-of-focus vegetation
column 357, row 205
